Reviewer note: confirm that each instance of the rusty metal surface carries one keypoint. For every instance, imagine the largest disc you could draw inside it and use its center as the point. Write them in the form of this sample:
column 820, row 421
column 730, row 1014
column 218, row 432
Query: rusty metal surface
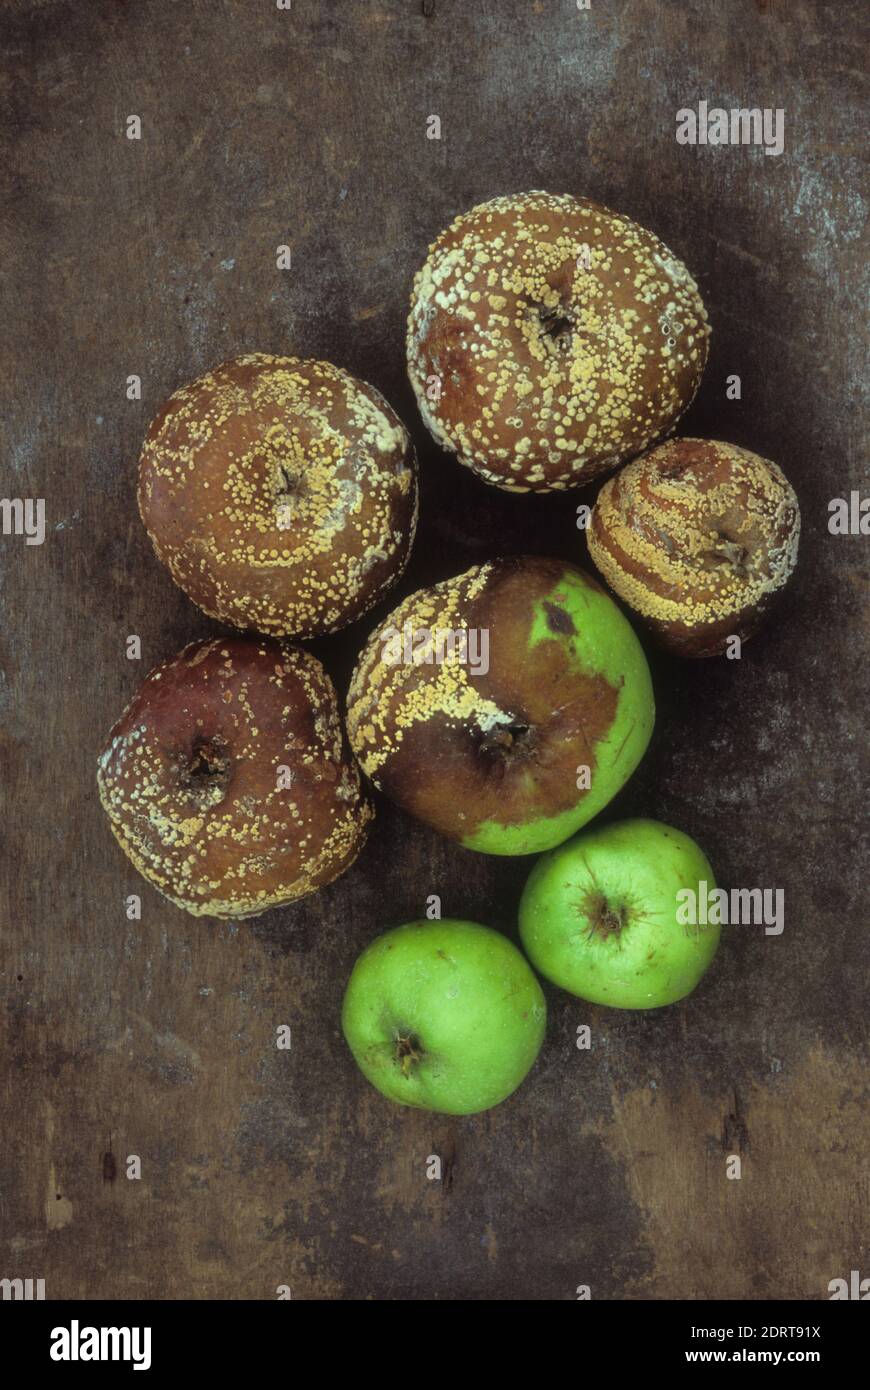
column 157, row 1038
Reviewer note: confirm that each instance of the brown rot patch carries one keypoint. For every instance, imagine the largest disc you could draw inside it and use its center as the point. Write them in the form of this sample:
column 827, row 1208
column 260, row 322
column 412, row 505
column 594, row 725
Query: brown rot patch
column 558, row 620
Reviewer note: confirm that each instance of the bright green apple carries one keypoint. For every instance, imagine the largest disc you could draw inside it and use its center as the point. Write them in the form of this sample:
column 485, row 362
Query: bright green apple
column 444, row 1016
column 603, row 915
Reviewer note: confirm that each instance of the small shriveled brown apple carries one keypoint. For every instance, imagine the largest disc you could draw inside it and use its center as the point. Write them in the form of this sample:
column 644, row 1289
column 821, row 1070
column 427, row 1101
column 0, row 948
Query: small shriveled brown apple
column 700, row 539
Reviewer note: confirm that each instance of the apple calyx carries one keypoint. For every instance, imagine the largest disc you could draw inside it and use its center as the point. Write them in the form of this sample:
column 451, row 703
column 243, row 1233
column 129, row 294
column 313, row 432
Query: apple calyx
column 506, row 740
column 207, row 770
column 287, row 484
column 556, row 326
column 289, row 488
column 605, row 918
column 407, row 1052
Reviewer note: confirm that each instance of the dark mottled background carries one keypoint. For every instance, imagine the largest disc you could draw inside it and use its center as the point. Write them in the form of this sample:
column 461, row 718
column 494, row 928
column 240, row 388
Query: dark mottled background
column 156, row 1037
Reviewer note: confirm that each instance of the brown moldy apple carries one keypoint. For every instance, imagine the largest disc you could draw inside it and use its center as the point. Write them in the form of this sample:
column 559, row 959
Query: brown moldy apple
column 280, row 493
column 699, row 538
column 550, row 339
column 227, row 780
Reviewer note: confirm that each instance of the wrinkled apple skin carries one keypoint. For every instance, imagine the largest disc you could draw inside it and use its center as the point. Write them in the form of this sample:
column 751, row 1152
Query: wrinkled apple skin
column 444, row 1016
column 598, row 915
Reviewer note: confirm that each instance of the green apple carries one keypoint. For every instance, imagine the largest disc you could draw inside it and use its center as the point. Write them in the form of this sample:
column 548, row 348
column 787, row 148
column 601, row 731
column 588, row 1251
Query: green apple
column 444, row 1016
column 603, row 915
column 504, row 707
